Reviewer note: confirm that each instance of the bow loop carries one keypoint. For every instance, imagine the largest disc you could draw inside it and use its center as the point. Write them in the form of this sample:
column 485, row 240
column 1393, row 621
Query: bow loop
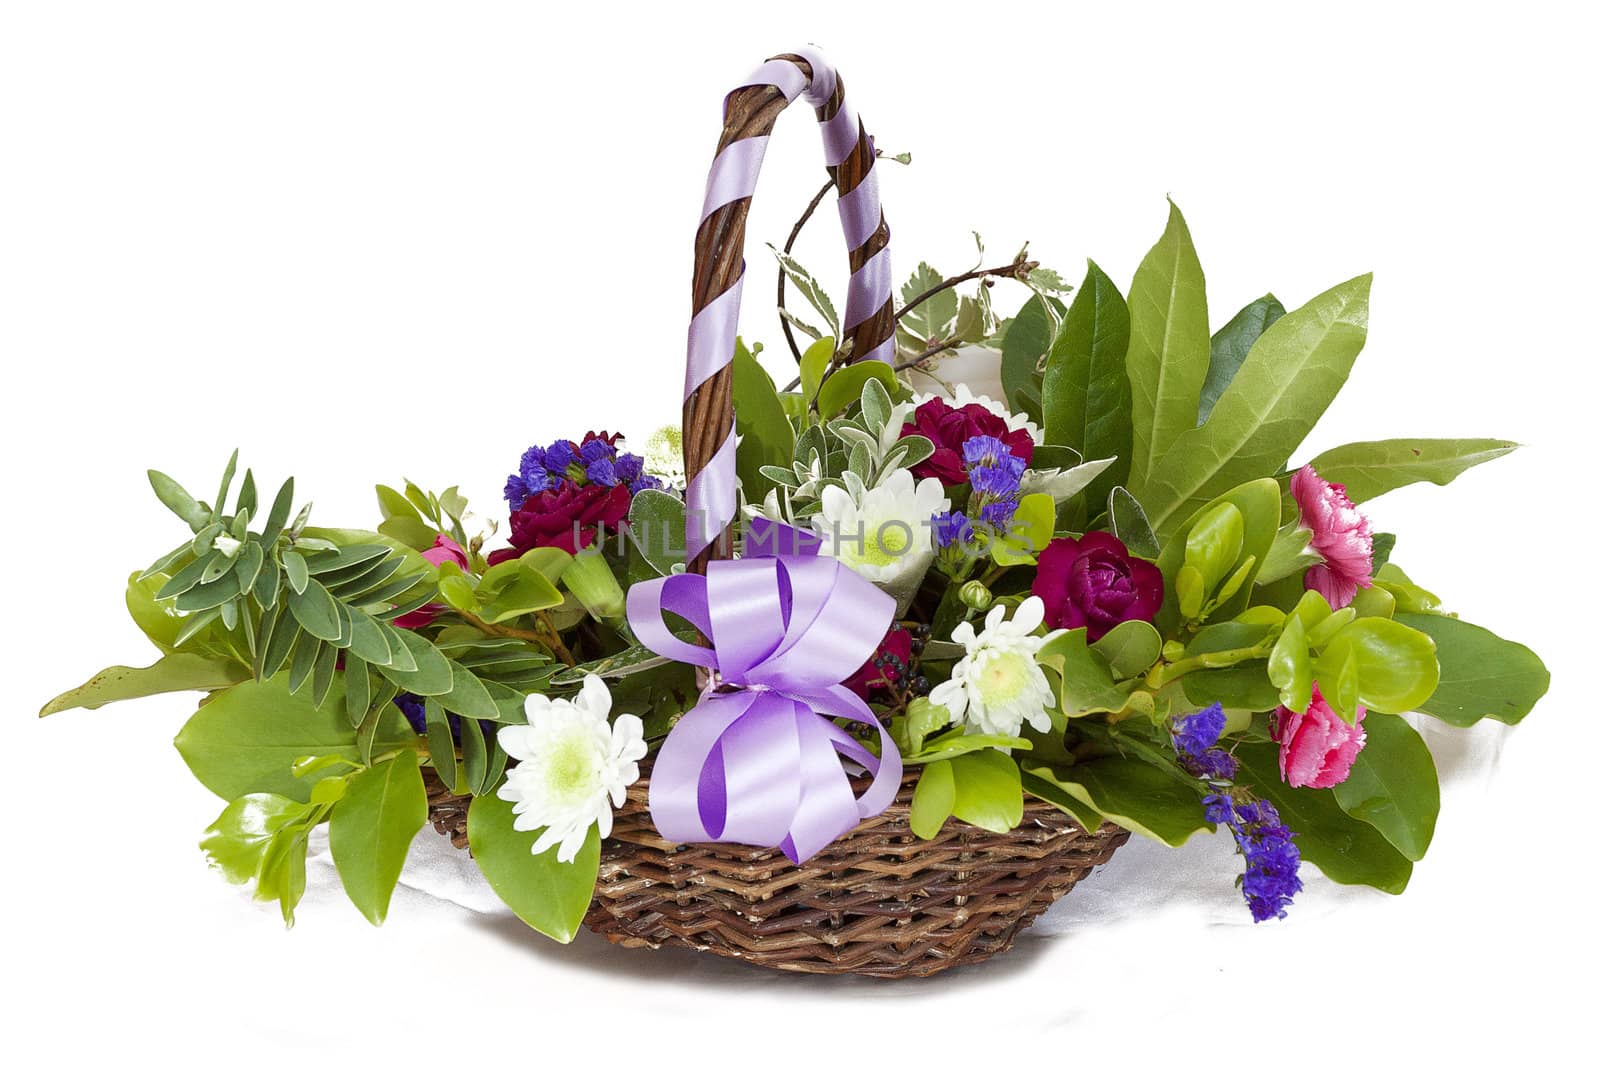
column 761, row 766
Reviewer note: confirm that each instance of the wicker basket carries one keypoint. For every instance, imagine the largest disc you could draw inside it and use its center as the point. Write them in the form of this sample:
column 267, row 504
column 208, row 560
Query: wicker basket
column 878, row 901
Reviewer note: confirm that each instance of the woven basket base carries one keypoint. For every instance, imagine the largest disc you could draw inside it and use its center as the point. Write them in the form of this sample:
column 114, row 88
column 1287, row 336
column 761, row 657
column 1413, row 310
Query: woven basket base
column 879, row 901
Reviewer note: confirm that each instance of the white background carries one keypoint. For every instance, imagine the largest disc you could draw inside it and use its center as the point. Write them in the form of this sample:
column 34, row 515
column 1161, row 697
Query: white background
column 365, row 242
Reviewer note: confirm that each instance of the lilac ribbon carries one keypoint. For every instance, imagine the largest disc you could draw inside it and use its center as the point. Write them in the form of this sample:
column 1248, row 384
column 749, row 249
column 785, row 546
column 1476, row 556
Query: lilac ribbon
column 756, row 761
column 710, row 493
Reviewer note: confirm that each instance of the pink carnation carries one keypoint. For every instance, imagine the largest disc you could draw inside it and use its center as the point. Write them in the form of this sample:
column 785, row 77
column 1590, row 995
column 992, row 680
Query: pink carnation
column 1340, row 534
column 1317, row 749
column 444, row 550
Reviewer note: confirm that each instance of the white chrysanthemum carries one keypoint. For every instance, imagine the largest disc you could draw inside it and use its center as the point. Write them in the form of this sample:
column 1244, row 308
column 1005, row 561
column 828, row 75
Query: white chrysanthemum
column 882, row 533
column 964, row 395
column 997, row 685
column 573, row 768
column 663, row 454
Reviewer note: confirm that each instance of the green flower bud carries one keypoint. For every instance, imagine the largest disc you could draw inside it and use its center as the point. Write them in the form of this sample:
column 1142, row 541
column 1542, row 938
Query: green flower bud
column 976, row 595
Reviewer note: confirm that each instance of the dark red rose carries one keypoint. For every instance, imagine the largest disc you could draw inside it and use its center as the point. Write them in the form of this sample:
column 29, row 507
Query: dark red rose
column 894, row 652
column 1092, row 581
column 949, row 428
column 550, row 518
column 600, row 435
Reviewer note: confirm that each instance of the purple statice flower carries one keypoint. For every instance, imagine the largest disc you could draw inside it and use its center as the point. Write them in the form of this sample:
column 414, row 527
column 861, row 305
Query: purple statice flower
column 646, row 481
column 628, row 468
column 532, row 469
column 560, row 456
column 516, row 491
column 412, row 707
column 595, row 449
column 997, row 514
column 600, row 471
column 1271, row 859
column 1218, row 809
column 951, row 528
column 1194, row 739
column 991, row 467
column 1192, row 734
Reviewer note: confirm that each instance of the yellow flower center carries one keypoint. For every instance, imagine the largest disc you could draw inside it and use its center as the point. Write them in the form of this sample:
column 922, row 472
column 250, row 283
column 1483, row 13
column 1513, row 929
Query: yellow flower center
column 884, row 544
column 1002, row 677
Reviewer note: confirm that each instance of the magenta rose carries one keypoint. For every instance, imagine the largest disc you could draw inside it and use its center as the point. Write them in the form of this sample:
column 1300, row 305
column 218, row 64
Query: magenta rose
column 895, row 650
column 1092, row 581
column 949, row 428
column 568, row 517
column 1316, row 750
column 444, row 550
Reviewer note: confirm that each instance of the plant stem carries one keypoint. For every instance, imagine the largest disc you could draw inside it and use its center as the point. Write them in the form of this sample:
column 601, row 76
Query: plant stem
column 1016, row 268
column 551, row 640
column 788, row 246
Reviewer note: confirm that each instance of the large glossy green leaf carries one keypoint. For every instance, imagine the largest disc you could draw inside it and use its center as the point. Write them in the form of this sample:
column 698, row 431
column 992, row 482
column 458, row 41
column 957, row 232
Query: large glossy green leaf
column 1137, row 796
column 1258, row 503
column 1085, row 685
column 1231, row 344
column 236, row 844
column 1481, row 675
column 371, row 831
column 842, row 388
column 1086, row 392
column 1369, row 469
column 177, row 673
column 246, row 739
column 765, row 436
column 1287, row 381
column 1382, row 664
column 934, row 799
column 1346, row 849
column 1394, row 785
column 545, row 893
column 988, row 790
column 1169, row 345
column 1027, row 340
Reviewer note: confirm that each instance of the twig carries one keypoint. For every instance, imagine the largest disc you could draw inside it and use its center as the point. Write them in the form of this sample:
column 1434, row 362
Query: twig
column 788, row 246
column 551, row 641
column 932, row 350
column 1016, row 268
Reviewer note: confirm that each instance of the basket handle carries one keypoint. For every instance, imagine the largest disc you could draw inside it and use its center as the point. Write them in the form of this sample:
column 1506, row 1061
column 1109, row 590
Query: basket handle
column 749, row 113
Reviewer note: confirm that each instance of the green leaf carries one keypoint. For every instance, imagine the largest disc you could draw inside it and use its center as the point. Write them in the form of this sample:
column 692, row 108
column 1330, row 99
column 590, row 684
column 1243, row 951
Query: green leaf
column 236, row 844
column 1169, row 346
column 1287, row 381
column 548, row 895
column 1129, row 648
column 429, row 672
column 988, row 790
column 1231, row 344
column 1258, row 503
column 294, row 568
column 1027, row 342
column 590, row 579
column 1289, row 666
column 1480, row 675
column 933, row 317
column 809, row 288
column 371, row 831
column 1086, row 685
column 1346, row 849
column 1086, row 395
column 934, row 800
column 278, row 517
column 765, row 435
column 174, row 673
column 247, row 739
column 514, row 588
column 467, row 696
column 814, row 363
column 1128, row 524
column 1393, row 666
column 1394, row 786
column 1044, row 781
column 316, row 611
column 179, row 502
column 655, row 528
column 843, row 387
column 1136, row 796
column 1369, row 469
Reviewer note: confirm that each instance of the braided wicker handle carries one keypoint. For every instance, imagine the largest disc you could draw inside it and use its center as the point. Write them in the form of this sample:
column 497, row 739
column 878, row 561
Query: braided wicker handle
column 749, row 113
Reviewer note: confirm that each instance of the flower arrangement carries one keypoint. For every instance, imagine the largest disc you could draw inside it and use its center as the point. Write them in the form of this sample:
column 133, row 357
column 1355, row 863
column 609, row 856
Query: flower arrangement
column 1106, row 590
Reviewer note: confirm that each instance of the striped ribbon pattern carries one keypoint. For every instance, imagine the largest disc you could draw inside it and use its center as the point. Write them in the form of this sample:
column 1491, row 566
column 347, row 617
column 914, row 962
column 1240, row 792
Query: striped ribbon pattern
column 749, row 112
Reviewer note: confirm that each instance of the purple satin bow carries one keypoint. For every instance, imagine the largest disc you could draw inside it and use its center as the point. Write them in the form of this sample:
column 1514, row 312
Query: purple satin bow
column 759, row 765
